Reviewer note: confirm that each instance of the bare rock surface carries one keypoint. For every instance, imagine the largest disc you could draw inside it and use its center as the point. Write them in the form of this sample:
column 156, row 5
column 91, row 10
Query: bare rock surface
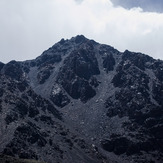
column 83, row 102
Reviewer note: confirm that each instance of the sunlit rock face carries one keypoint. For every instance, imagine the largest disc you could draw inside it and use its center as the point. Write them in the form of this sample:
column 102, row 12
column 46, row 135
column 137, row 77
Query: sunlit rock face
column 82, row 101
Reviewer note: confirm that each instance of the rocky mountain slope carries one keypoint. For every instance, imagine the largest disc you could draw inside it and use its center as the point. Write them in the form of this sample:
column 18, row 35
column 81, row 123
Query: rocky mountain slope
column 83, row 102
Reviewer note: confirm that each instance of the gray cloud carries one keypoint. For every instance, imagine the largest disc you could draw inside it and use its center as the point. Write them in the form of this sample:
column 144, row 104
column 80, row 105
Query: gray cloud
column 29, row 27
column 146, row 5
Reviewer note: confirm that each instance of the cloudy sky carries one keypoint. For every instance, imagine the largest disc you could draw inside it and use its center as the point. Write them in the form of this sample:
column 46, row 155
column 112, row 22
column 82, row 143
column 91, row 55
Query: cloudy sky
column 147, row 5
column 28, row 27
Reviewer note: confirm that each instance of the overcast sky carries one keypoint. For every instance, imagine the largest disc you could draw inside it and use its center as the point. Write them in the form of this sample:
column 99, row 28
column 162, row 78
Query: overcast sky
column 147, row 5
column 28, row 27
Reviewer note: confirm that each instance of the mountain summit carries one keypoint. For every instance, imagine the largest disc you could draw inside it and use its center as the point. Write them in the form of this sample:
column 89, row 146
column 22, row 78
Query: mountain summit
column 83, row 102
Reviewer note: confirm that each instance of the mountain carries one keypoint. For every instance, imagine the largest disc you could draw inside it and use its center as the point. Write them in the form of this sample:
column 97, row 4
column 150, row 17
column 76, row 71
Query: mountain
column 83, row 102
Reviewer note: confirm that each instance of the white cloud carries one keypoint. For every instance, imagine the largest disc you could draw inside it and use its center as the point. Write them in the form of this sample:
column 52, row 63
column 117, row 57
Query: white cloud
column 30, row 27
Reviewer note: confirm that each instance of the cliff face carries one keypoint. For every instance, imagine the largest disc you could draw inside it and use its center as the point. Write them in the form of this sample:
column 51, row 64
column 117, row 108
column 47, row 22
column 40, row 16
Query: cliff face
column 81, row 101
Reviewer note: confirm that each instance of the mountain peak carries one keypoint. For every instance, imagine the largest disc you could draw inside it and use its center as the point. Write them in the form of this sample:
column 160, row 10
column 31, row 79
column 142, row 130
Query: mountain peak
column 80, row 39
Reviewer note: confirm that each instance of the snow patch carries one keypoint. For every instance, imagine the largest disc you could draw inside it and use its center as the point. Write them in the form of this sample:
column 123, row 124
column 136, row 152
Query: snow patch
column 56, row 90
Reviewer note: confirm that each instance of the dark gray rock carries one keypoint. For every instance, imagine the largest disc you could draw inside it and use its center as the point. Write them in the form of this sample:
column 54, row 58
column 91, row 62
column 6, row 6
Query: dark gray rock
column 59, row 98
column 109, row 62
column 78, row 68
column 13, row 70
column 1, row 65
column 81, row 101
